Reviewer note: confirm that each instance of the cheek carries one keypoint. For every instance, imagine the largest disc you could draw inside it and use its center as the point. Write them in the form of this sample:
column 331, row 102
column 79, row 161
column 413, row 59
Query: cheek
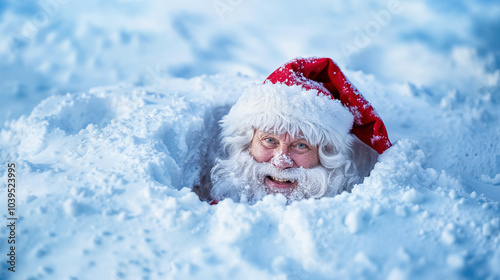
column 260, row 154
column 307, row 160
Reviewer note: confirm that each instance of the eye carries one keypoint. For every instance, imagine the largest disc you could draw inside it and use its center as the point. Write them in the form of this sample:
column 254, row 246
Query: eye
column 270, row 140
column 302, row 146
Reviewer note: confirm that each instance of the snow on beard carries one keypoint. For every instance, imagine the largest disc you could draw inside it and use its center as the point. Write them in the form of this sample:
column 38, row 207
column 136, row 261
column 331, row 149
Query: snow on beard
column 241, row 178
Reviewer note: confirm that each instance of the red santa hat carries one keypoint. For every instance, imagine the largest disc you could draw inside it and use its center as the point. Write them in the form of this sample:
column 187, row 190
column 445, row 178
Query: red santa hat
column 308, row 96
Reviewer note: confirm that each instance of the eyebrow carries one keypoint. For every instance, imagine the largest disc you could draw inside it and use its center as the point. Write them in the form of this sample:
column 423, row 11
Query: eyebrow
column 296, row 140
column 265, row 134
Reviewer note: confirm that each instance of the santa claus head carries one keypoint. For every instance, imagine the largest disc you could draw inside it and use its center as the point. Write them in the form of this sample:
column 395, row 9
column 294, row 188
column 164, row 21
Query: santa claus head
column 299, row 134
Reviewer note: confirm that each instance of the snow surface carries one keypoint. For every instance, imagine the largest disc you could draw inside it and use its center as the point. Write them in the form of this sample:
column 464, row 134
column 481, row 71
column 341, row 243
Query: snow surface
column 104, row 173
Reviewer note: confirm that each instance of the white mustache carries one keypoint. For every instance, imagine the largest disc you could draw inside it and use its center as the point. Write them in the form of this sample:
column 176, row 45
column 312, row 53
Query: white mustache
column 291, row 174
column 242, row 179
column 311, row 180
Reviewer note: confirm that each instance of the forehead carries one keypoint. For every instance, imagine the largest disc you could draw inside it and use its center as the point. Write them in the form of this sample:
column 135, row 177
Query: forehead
column 281, row 136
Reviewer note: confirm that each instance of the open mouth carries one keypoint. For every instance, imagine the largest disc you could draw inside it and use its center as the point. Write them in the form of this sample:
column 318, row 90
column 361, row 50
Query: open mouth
column 279, row 182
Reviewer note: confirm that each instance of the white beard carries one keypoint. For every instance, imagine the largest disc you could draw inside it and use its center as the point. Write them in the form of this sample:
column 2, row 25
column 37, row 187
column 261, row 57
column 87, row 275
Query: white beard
column 241, row 178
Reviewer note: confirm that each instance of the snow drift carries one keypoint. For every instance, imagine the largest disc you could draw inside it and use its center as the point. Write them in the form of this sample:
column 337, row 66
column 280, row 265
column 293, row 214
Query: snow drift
column 105, row 174
column 105, row 178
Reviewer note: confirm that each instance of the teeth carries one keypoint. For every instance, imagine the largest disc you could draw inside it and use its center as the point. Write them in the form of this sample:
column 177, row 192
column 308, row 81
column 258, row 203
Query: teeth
column 280, row 180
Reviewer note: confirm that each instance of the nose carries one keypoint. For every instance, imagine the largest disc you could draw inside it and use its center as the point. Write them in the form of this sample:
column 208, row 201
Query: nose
column 282, row 159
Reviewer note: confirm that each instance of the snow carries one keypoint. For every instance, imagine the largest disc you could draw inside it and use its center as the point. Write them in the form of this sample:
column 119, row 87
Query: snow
column 110, row 113
column 280, row 159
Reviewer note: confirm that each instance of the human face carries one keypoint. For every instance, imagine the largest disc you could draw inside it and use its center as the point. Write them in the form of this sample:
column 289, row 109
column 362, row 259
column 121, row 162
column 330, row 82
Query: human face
column 283, row 151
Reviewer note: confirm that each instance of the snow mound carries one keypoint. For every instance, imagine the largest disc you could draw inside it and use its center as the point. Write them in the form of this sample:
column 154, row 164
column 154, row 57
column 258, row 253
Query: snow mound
column 105, row 192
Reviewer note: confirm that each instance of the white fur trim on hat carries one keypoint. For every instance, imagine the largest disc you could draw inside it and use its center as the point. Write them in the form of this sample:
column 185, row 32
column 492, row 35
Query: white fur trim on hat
column 280, row 109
